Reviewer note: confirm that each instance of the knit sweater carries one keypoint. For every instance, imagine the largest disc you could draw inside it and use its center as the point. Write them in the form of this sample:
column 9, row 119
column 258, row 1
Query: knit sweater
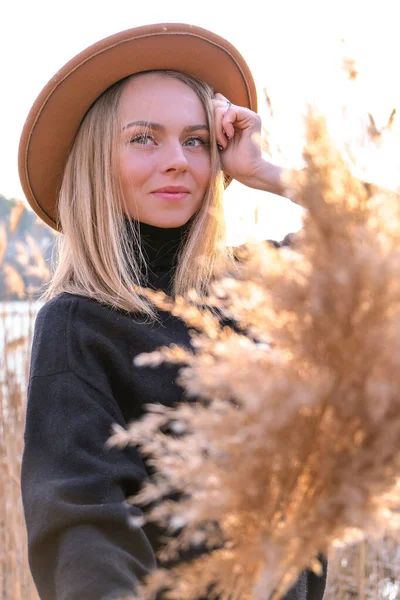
column 82, row 380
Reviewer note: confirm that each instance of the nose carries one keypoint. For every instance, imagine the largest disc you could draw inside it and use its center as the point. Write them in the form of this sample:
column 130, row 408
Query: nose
column 174, row 158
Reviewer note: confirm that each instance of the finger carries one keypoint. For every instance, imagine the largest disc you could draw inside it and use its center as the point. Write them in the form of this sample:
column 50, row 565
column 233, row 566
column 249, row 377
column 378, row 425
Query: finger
column 219, row 131
column 240, row 118
column 230, row 114
column 219, row 112
column 221, row 106
column 222, row 102
column 228, row 119
column 221, row 97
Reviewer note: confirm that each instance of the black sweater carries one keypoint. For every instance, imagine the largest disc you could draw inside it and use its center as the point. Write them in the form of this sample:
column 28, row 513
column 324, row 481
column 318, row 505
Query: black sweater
column 83, row 380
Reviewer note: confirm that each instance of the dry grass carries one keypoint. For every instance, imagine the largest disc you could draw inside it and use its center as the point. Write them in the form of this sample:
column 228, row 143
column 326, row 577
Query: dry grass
column 15, row 337
column 292, row 446
column 16, row 326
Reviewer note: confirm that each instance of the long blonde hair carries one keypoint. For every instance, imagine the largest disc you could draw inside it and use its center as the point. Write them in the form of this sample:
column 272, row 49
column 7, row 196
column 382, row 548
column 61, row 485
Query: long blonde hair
column 94, row 256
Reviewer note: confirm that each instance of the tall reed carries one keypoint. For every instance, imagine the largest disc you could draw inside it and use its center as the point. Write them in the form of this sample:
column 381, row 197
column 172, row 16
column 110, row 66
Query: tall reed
column 16, row 326
column 291, row 444
column 15, row 337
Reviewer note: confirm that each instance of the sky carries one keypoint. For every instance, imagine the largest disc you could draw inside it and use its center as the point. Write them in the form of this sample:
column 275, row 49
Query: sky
column 293, row 47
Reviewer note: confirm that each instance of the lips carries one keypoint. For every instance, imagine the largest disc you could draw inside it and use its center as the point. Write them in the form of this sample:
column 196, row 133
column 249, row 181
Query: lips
column 172, row 189
column 174, row 193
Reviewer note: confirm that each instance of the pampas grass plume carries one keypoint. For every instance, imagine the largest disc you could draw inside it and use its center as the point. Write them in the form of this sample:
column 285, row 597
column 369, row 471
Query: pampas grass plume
column 290, row 446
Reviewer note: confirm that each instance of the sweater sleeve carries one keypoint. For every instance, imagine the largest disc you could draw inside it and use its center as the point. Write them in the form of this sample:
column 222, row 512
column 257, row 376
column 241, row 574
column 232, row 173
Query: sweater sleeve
column 79, row 540
column 316, row 584
column 82, row 544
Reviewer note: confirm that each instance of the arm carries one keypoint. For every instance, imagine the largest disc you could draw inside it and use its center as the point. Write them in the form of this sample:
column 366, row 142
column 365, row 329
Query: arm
column 316, row 584
column 80, row 545
column 73, row 488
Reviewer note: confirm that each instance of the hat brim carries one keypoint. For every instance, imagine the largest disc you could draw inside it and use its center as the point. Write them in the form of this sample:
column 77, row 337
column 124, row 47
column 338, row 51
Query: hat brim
column 56, row 115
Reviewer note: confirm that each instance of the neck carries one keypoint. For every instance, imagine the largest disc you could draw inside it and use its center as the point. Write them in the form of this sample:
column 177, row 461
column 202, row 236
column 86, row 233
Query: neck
column 160, row 248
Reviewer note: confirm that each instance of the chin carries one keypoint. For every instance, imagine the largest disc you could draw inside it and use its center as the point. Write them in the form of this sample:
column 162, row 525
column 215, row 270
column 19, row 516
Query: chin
column 168, row 221
column 171, row 224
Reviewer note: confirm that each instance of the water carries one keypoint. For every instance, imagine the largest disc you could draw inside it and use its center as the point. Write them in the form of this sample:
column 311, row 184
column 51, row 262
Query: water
column 16, row 329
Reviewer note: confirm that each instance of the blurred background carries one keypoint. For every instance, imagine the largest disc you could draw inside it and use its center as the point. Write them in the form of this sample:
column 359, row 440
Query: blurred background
column 340, row 56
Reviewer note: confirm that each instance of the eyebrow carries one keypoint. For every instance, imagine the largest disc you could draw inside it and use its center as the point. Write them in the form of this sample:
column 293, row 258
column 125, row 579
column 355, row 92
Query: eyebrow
column 158, row 127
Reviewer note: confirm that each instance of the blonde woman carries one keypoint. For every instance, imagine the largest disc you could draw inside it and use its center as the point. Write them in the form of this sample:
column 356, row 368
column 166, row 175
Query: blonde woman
column 126, row 152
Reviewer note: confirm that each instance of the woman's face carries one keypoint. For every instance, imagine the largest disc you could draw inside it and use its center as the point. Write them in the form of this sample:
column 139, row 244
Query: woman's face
column 164, row 154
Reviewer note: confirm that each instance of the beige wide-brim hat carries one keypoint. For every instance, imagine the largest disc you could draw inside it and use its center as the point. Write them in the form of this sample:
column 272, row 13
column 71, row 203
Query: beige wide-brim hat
column 56, row 115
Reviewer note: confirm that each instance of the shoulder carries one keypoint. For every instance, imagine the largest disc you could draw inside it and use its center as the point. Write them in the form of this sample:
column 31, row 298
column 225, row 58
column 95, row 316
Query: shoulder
column 53, row 319
column 83, row 313
column 60, row 308
column 69, row 329
column 54, row 315
column 49, row 340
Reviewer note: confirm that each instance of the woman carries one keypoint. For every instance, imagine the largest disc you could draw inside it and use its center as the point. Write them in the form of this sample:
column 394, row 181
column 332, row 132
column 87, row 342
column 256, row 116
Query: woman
column 126, row 151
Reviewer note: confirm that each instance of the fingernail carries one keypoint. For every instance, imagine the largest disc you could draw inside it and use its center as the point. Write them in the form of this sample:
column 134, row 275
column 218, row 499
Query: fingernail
column 220, row 147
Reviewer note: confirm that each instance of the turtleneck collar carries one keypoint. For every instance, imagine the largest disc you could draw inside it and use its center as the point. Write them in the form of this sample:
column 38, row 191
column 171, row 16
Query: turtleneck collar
column 160, row 248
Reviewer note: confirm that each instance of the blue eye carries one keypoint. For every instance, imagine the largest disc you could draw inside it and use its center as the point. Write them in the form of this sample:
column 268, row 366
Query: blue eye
column 142, row 138
column 195, row 140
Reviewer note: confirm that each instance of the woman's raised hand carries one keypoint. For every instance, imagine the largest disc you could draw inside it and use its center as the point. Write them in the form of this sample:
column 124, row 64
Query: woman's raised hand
column 238, row 133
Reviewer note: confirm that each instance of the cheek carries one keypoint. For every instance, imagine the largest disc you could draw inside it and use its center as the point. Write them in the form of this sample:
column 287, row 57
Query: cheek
column 134, row 170
column 202, row 168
